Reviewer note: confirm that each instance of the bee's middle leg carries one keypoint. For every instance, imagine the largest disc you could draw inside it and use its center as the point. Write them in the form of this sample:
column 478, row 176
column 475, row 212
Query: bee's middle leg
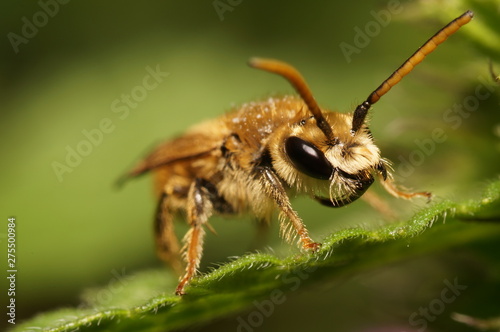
column 199, row 209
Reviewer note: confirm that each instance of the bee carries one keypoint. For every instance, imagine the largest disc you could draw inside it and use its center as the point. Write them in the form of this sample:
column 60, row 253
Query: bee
column 253, row 158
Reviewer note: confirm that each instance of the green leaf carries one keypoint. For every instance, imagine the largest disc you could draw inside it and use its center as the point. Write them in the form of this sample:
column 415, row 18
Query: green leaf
column 261, row 278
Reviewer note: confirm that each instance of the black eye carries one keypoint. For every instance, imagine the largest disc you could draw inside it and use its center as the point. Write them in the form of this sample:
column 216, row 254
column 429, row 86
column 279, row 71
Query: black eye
column 307, row 158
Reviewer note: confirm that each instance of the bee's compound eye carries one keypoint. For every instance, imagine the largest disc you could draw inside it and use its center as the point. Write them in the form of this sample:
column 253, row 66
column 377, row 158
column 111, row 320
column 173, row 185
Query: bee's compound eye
column 307, row 158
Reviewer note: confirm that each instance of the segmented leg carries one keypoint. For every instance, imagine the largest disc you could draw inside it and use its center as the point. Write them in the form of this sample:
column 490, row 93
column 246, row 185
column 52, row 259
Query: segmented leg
column 199, row 209
column 394, row 191
column 273, row 187
column 167, row 245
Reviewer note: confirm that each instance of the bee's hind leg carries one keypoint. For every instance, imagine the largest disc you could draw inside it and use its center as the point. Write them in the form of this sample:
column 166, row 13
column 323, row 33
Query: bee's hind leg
column 167, row 245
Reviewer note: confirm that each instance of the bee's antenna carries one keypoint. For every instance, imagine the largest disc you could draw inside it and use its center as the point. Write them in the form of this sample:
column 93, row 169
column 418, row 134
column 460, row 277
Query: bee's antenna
column 300, row 85
column 417, row 57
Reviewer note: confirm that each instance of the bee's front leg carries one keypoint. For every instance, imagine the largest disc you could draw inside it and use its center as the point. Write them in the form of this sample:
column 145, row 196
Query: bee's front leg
column 199, row 209
column 274, row 188
column 391, row 188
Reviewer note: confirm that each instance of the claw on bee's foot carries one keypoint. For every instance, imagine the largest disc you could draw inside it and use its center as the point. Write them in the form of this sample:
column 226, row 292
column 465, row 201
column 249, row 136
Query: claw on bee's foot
column 180, row 288
column 312, row 246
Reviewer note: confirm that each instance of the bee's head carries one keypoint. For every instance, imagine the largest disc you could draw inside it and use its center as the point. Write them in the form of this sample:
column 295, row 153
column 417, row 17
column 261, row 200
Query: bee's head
column 305, row 157
column 351, row 155
column 325, row 145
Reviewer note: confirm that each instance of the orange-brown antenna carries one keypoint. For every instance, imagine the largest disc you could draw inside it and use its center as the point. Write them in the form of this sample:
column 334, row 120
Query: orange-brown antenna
column 300, row 85
column 407, row 67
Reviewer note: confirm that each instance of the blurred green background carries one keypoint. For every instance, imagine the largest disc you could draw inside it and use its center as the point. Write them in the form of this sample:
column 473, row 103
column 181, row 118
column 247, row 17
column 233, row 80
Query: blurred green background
column 76, row 230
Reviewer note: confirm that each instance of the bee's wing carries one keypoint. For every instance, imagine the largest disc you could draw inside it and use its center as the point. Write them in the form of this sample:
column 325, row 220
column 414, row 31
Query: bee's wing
column 181, row 149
